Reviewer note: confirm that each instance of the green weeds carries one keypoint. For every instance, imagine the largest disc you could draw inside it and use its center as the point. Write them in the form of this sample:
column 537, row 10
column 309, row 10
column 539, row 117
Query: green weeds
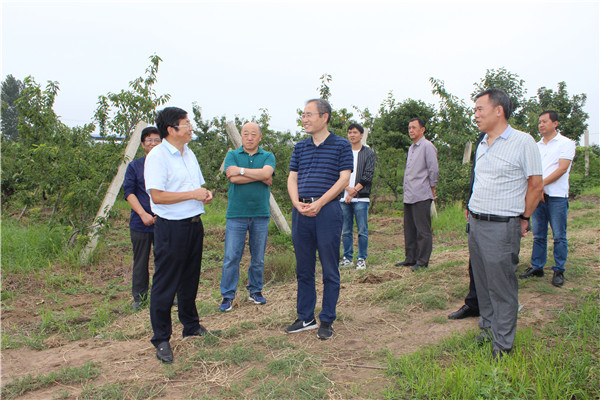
column 65, row 376
column 541, row 365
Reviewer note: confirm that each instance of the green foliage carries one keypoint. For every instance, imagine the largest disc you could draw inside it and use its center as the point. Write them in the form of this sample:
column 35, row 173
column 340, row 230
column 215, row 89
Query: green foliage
column 578, row 181
column 390, row 127
column 389, row 173
column 117, row 114
column 513, row 86
column 572, row 118
column 11, row 90
column 60, row 169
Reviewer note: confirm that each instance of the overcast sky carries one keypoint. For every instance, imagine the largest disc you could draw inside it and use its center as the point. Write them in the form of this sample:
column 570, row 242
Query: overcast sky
column 235, row 57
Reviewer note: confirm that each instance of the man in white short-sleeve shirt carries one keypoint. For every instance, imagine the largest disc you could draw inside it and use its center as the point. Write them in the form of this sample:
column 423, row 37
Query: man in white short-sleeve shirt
column 174, row 182
column 557, row 153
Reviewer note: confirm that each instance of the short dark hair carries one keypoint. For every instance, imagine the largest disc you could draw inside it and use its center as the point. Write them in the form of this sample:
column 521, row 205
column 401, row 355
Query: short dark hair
column 553, row 115
column 357, row 127
column 421, row 123
column 323, row 106
column 169, row 116
column 149, row 131
column 498, row 98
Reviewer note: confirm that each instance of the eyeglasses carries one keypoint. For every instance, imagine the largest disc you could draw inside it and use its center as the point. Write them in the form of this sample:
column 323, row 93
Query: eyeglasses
column 185, row 126
column 148, row 141
column 310, row 114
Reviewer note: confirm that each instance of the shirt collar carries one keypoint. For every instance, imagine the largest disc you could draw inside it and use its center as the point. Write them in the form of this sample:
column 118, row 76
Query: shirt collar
column 505, row 135
column 172, row 149
column 242, row 151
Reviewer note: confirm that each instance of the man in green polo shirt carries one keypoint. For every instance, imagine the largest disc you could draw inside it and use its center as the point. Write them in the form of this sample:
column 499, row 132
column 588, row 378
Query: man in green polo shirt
column 250, row 173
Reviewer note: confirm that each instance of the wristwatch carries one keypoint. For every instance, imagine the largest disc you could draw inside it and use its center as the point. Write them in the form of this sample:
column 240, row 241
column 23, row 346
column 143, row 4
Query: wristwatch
column 242, row 171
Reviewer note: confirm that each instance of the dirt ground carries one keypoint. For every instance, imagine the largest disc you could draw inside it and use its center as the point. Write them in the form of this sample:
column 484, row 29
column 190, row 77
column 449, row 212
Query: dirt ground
column 353, row 361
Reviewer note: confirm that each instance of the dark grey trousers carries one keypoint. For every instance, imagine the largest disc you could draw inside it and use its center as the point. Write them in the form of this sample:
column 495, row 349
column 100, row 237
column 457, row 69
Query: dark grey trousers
column 142, row 242
column 418, row 239
column 494, row 249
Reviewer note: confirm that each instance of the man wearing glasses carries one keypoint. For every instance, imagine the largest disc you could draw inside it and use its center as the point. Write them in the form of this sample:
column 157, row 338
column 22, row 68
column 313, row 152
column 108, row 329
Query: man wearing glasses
column 141, row 222
column 174, row 182
column 319, row 171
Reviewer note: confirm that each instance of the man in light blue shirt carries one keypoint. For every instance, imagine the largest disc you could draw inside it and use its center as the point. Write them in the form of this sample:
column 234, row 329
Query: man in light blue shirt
column 506, row 190
column 174, row 182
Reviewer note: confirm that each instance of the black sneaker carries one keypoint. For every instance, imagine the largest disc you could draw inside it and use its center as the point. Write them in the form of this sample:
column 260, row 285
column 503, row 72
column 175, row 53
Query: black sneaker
column 300, row 325
column 325, row 330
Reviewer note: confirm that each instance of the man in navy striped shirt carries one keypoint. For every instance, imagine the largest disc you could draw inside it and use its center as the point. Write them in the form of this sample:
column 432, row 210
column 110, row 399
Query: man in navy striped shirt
column 320, row 169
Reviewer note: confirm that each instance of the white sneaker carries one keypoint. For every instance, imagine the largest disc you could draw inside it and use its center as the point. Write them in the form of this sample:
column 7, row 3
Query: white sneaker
column 361, row 263
column 345, row 263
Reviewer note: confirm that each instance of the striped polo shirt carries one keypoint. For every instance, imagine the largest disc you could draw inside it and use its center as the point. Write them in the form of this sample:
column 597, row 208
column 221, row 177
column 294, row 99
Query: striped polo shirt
column 501, row 173
column 319, row 167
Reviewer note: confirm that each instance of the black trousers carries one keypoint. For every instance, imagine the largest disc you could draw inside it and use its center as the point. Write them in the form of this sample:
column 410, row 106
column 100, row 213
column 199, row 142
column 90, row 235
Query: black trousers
column 418, row 239
column 177, row 260
column 142, row 243
column 471, row 299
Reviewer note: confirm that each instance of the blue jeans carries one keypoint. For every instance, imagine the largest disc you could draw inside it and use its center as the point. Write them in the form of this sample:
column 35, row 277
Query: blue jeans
column 235, row 241
column 553, row 211
column 309, row 235
column 358, row 210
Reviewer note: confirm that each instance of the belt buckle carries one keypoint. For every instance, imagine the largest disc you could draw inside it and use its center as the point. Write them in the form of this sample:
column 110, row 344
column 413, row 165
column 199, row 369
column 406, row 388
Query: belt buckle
column 195, row 219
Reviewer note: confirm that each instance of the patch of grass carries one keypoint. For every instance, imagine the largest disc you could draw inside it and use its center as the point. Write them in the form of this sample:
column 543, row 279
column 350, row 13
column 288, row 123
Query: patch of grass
column 280, row 266
column 239, row 354
column 65, row 376
column 275, row 342
column 116, row 391
column 450, row 219
column 439, row 320
column 587, row 220
column 540, row 366
column 31, row 247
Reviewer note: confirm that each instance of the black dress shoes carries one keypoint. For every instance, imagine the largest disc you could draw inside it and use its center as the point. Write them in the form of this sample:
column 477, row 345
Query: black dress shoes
column 164, row 353
column 464, row 312
column 201, row 331
column 417, row 267
column 532, row 272
column 405, row 263
column 558, row 279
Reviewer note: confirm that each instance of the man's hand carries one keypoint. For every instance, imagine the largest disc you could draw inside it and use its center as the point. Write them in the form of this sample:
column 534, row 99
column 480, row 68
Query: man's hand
column 467, row 215
column 524, row 226
column 202, row 195
column 433, row 192
column 148, row 219
column 208, row 198
column 268, row 181
column 232, row 170
column 313, row 209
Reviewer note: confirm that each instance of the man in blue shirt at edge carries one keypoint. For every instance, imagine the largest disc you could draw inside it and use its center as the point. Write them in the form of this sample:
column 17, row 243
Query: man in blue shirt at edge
column 250, row 173
column 174, row 181
column 141, row 222
column 320, row 169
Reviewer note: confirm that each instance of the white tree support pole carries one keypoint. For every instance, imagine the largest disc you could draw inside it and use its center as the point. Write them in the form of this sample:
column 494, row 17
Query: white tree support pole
column 113, row 191
column 467, row 153
column 363, row 141
column 586, row 144
column 276, row 213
